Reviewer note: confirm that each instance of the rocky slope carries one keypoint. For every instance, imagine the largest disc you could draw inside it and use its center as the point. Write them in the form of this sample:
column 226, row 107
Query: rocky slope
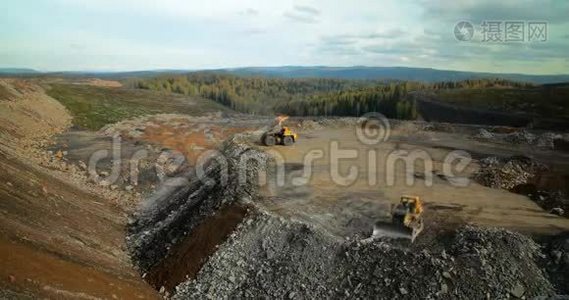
column 276, row 258
column 61, row 237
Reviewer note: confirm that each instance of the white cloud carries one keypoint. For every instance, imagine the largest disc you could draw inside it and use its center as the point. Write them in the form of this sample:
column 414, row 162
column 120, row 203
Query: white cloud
column 304, row 14
column 139, row 34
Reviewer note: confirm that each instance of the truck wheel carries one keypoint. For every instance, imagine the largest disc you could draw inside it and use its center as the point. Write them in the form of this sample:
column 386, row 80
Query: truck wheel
column 287, row 141
column 269, row 140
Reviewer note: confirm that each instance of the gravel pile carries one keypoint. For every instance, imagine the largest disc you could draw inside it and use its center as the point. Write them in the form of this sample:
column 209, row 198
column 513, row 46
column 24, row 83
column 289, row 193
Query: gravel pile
column 508, row 173
column 520, row 137
column 502, row 262
column 269, row 257
column 519, row 175
column 491, row 263
column 545, row 140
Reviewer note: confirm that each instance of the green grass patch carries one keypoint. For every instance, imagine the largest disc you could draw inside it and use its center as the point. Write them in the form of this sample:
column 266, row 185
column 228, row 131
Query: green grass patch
column 93, row 107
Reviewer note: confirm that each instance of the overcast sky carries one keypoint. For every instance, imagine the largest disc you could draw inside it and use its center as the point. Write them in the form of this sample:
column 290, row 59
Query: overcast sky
column 182, row 34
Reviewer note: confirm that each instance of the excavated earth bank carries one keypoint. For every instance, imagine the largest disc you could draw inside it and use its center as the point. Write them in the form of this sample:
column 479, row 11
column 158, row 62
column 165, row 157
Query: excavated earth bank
column 182, row 223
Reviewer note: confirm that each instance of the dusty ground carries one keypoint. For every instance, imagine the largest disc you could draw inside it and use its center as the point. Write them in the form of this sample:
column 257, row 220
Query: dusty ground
column 348, row 209
column 190, row 136
column 152, row 144
column 84, row 81
column 59, row 241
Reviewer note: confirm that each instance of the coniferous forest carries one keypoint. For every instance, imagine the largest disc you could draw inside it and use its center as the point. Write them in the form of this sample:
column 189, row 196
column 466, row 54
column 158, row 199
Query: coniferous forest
column 323, row 97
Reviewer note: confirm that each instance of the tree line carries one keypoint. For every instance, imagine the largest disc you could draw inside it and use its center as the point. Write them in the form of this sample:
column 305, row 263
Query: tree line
column 255, row 95
column 307, row 97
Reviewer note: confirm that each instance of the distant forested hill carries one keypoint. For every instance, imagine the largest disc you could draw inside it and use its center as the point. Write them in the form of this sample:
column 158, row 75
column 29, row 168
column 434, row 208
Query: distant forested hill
column 255, row 95
column 17, row 71
column 357, row 72
column 389, row 73
column 310, row 97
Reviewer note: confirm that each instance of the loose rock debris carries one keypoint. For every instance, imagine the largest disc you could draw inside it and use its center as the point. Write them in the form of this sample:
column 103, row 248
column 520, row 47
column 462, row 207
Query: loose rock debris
column 519, row 174
column 271, row 256
column 546, row 140
column 509, row 173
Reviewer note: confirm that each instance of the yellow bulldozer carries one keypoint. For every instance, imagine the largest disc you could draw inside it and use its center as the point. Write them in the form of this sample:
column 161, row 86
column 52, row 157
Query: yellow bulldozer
column 406, row 220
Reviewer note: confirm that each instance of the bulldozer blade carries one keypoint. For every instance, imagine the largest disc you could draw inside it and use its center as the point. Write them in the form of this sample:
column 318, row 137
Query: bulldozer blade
column 396, row 231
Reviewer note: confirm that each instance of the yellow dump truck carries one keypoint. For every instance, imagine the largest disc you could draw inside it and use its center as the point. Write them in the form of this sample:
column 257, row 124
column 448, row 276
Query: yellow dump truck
column 283, row 136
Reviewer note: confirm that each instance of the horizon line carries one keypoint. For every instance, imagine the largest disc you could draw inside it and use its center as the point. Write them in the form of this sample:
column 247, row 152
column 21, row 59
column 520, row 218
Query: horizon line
column 95, row 71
